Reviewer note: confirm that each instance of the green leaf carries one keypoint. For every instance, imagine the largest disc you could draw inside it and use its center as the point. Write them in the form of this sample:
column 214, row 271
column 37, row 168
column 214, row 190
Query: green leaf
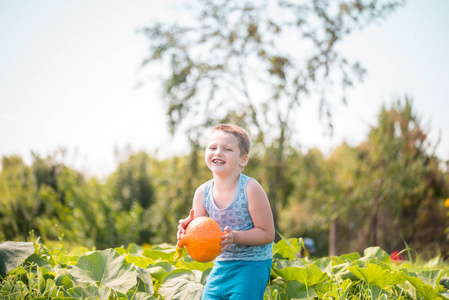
column 160, row 270
column 134, row 249
column 144, row 281
column 309, row 275
column 205, row 276
column 298, row 290
column 286, row 248
column 182, row 284
column 375, row 252
column 282, row 263
column 190, row 264
column 331, row 290
column 11, row 254
column 425, row 290
column 138, row 296
column 444, row 281
column 35, row 259
column 325, row 265
column 158, row 255
column 90, row 292
column 431, row 277
column 275, row 292
column 138, row 261
column 375, row 275
column 64, row 278
column 107, row 268
column 350, row 257
column 381, row 263
column 51, row 290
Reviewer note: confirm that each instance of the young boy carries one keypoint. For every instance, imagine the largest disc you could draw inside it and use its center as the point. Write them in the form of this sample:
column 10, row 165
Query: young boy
column 240, row 206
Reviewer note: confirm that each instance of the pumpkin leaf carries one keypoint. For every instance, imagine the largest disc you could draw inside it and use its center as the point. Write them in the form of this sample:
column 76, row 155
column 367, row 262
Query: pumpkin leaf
column 158, row 255
column 308, row 275
column 181, row 284
column 144, row 281
column 424, row 290
column 286, row 249
column 11, row 254
column 275, row 292
column 191, row 264
column 106, row 268
column 138, row 296
column 375, row 252
column 90, row 292
column 298, row 290
column 325, row 265
column 63, row 278
column 375, row 275
column 138, row 261
column 35, row 259
column 160, row 270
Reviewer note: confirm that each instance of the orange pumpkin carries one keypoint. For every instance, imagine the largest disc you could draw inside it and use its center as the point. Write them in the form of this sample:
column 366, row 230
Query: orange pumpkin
column 202, row 240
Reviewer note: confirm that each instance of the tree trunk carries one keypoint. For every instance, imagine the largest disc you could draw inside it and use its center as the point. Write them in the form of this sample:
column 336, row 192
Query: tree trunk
column 373, row 228
column 333, row 238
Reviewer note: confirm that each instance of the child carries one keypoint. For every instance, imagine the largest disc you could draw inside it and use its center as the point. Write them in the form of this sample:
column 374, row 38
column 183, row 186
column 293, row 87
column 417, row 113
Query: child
column 240, row 206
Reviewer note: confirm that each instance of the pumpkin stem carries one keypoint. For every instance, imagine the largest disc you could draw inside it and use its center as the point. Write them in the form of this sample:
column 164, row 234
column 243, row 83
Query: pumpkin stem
column 178, row 253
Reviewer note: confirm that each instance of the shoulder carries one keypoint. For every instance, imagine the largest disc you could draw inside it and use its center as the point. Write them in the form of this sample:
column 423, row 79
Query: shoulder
column 253, row 188
column 200, row 190
column 204, row 187
column 252, row 183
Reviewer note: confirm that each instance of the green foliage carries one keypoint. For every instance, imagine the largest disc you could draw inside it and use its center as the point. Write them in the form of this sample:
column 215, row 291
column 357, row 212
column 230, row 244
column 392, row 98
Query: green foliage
column 17, row 198
column 151, row 273
column 389, row 191
column 132, row 183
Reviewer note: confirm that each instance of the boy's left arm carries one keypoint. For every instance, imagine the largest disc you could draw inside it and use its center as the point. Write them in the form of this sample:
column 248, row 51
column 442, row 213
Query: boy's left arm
column 260, row 210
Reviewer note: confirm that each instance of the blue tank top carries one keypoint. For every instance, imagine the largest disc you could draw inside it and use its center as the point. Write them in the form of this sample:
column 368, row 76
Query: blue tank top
column 236, row 216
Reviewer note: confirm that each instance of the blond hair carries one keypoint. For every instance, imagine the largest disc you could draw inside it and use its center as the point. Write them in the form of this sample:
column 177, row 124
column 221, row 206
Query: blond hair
column 242, row 136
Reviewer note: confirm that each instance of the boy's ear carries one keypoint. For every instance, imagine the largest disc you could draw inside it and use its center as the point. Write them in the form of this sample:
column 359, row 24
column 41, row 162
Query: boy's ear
column 244, row 160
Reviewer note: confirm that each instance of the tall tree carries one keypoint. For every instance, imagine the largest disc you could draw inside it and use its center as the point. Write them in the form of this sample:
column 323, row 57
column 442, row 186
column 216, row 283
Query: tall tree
column 17, row 198
column 132, row 182
column 401, row 183
column 253, row 63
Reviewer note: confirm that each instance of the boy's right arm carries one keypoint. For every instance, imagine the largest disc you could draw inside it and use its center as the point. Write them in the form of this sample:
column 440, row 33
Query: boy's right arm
column 197, row 211
column 198, row 206
column 183, row 224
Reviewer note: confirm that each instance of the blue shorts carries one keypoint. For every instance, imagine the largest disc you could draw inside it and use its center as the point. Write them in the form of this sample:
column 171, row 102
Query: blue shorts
column 235, row 279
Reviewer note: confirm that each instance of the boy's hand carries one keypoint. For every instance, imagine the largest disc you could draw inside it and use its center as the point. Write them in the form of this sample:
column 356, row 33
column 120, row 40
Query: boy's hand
column 227, row 239
column 183, row 224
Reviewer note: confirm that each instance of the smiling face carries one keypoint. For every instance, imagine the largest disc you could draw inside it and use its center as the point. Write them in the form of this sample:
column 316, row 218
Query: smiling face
column 223, row 153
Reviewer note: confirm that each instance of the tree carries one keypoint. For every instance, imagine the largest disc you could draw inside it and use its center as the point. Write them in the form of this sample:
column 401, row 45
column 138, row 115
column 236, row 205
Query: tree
column 308, row 211
column 389, row 189
column 252, row 63
column 17, row 205
column 400, row 183
column 132, row 182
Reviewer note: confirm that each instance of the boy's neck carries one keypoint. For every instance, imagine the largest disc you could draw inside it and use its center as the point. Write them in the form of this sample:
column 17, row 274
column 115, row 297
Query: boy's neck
column 228, row 181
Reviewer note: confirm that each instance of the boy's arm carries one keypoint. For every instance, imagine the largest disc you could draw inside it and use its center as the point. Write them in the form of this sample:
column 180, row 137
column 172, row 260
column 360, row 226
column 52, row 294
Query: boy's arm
column 197, row 211
column 260, row 210
column 198, row 206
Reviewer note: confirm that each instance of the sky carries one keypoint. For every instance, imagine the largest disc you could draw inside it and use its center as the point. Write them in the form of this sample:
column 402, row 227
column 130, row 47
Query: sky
column 70, row 78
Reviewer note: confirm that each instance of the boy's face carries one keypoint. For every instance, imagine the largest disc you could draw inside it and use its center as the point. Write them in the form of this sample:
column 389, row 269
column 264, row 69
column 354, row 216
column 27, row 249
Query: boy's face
column 223, row 153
